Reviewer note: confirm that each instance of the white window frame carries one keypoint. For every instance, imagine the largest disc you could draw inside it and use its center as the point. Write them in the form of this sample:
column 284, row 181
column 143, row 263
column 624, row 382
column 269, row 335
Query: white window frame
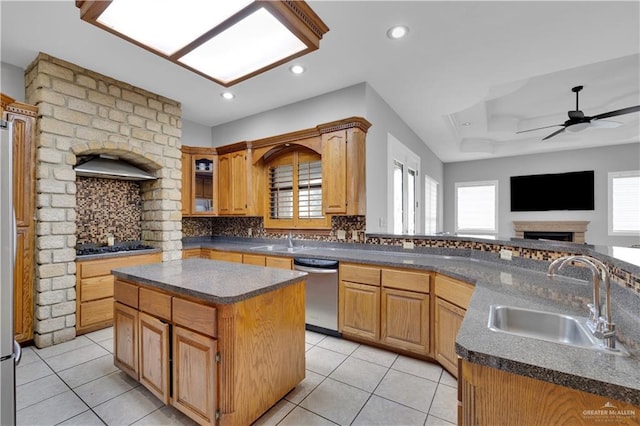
column 611, row 176
column 493, row 230
column 398, row 152
column 431, row 210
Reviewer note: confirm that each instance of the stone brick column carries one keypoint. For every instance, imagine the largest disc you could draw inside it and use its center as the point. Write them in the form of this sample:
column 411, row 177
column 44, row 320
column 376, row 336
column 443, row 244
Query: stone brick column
column 82, row 112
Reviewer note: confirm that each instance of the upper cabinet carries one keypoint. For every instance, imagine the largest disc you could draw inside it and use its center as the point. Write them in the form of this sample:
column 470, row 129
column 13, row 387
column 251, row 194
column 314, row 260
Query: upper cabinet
column 343, row 163
column 295, row 180
column 199, row 172
column 234, row 183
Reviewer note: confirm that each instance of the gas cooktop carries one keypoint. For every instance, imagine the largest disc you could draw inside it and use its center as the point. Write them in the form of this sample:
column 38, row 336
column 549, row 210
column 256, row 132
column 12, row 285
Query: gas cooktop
column 88, row 250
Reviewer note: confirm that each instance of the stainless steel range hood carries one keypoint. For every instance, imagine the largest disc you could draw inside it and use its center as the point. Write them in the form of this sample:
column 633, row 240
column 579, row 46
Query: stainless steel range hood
column 111, row 167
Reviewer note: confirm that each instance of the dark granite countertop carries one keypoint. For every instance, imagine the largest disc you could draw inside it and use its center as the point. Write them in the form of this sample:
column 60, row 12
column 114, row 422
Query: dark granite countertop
column 210, row 280
column 501, row 283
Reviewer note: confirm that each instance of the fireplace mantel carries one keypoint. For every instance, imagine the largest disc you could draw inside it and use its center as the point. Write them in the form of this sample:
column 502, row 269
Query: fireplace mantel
column 577, row 227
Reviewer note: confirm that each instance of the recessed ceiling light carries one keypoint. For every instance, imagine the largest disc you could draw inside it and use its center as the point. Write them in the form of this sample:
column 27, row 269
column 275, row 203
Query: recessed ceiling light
column 397, row 32
column 466, row 124
column 227, row 95
column 297, row 69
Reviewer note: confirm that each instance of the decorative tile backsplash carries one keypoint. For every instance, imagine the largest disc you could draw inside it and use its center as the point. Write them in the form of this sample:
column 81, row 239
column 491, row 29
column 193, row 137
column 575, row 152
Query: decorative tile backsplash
column 240, row 226
column 107, row 206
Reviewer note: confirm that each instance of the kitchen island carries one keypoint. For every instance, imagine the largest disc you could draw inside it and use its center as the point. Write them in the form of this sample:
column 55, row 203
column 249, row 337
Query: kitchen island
column 221, row 342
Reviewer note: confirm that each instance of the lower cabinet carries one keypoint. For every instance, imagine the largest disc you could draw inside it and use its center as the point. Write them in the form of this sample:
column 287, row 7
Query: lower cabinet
column 451, row 301
column 154, row 356
column 94, row 289
column 194, row 377
column 175, row 364
column 387, row 306
column 125, row 338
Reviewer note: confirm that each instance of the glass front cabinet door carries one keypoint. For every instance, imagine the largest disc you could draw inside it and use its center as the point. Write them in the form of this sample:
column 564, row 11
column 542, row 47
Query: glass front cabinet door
column 203, row 179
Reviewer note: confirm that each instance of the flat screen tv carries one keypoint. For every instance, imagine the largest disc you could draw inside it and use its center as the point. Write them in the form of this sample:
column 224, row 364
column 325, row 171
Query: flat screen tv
column 558, row 191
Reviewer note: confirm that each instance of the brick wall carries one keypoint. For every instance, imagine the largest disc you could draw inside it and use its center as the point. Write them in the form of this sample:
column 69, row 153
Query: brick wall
column 82, row 112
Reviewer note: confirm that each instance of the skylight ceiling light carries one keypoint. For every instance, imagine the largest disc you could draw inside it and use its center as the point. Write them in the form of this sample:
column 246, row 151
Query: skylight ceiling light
column 225, row 41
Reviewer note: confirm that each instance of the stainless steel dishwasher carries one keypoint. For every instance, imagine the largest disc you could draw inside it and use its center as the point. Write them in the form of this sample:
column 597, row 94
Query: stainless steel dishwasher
column 321, row 299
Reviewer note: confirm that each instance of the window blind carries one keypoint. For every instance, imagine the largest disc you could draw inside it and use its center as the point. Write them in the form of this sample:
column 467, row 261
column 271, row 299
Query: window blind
column 625, row 203
column 281, row 192
column 310, row 190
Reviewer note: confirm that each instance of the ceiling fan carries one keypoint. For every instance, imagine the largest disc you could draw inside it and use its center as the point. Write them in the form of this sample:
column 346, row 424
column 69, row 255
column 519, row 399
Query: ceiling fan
column 578, row 121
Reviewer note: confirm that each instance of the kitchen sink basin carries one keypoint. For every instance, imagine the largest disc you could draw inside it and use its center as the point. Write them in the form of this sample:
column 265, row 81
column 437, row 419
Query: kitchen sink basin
column 548, row 326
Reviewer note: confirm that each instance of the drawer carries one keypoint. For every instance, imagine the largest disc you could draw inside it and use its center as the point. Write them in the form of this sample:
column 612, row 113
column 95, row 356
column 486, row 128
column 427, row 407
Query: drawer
column 457, row 292
column 94, row 268
column 225, row 256
column 126, row 293
column 406, row 280
column 96, row 312
column 195, row 316
column 155, row 303
column 279, row 262
column 360, row 274
column 253, row 259
column 96, row 288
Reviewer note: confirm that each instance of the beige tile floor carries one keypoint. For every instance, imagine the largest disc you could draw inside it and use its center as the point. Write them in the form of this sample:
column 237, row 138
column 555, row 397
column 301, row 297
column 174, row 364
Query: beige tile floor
column 75, row 383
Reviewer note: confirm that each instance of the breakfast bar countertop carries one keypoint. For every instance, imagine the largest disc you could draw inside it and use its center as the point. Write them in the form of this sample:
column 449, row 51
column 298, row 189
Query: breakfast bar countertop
column 496, row 283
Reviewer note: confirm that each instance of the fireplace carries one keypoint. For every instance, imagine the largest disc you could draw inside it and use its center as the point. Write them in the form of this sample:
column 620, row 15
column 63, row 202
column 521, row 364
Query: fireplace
column 543, row 235
column 572, row 231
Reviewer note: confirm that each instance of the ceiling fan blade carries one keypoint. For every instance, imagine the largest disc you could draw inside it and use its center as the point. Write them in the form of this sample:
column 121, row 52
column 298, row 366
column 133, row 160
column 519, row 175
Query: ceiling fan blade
column 553, row 134
column 605, row 124
column 539, row 128
column 617, row 112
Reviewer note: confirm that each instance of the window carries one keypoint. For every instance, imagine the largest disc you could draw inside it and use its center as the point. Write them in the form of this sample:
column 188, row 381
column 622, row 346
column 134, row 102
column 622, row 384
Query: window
column 295, row 191
column 430, row 205
column 476, row 206
column 624, row 203
column 403, row 180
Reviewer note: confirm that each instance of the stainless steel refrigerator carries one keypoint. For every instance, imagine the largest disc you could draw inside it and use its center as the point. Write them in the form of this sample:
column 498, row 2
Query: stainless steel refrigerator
column 9, row 348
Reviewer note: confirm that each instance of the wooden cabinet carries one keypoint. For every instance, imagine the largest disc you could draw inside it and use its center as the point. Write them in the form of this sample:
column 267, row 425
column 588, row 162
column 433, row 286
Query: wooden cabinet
column 153, row 367
column 234, row 182
column 451, row 300
column 269, row 261
column 343, row 165
column 359, row 301
column 229, row 363
column 199, row 175
column 189, row 253
column 492, row 396
column 94, row 289
column 23, row 117
column 125, row 338
column 405, row 310
column 194, row 375
column 225, row 256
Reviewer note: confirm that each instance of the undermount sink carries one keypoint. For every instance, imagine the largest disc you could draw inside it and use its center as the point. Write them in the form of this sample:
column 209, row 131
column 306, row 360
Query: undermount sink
column 548, row 326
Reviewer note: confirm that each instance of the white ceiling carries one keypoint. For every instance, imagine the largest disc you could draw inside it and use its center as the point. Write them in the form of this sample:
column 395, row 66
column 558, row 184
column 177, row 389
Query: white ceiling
column 502, row 66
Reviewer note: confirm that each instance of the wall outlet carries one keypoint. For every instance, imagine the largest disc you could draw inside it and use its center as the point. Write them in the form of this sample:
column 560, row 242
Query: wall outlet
column 355, row 236
column 506, row 254
column 341, row 234
column 249, row 232
column 407, row 245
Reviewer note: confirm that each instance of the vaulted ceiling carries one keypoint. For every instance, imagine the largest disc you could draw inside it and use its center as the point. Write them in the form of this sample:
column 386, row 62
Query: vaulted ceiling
column 496, row 67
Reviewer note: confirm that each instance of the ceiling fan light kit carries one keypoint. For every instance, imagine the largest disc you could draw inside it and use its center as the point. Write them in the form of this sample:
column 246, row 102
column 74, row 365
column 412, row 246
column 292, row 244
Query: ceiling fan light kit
column 578, row 122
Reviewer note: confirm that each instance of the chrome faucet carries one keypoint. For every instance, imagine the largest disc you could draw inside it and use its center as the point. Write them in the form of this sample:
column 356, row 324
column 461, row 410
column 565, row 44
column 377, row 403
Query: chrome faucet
column 289, row 241
column 601, row 328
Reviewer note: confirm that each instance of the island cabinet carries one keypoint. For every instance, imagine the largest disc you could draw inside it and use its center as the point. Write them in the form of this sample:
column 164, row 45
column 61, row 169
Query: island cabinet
column 218, row 363
column 451, row 300
column 387, row 306
column 94, row 289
